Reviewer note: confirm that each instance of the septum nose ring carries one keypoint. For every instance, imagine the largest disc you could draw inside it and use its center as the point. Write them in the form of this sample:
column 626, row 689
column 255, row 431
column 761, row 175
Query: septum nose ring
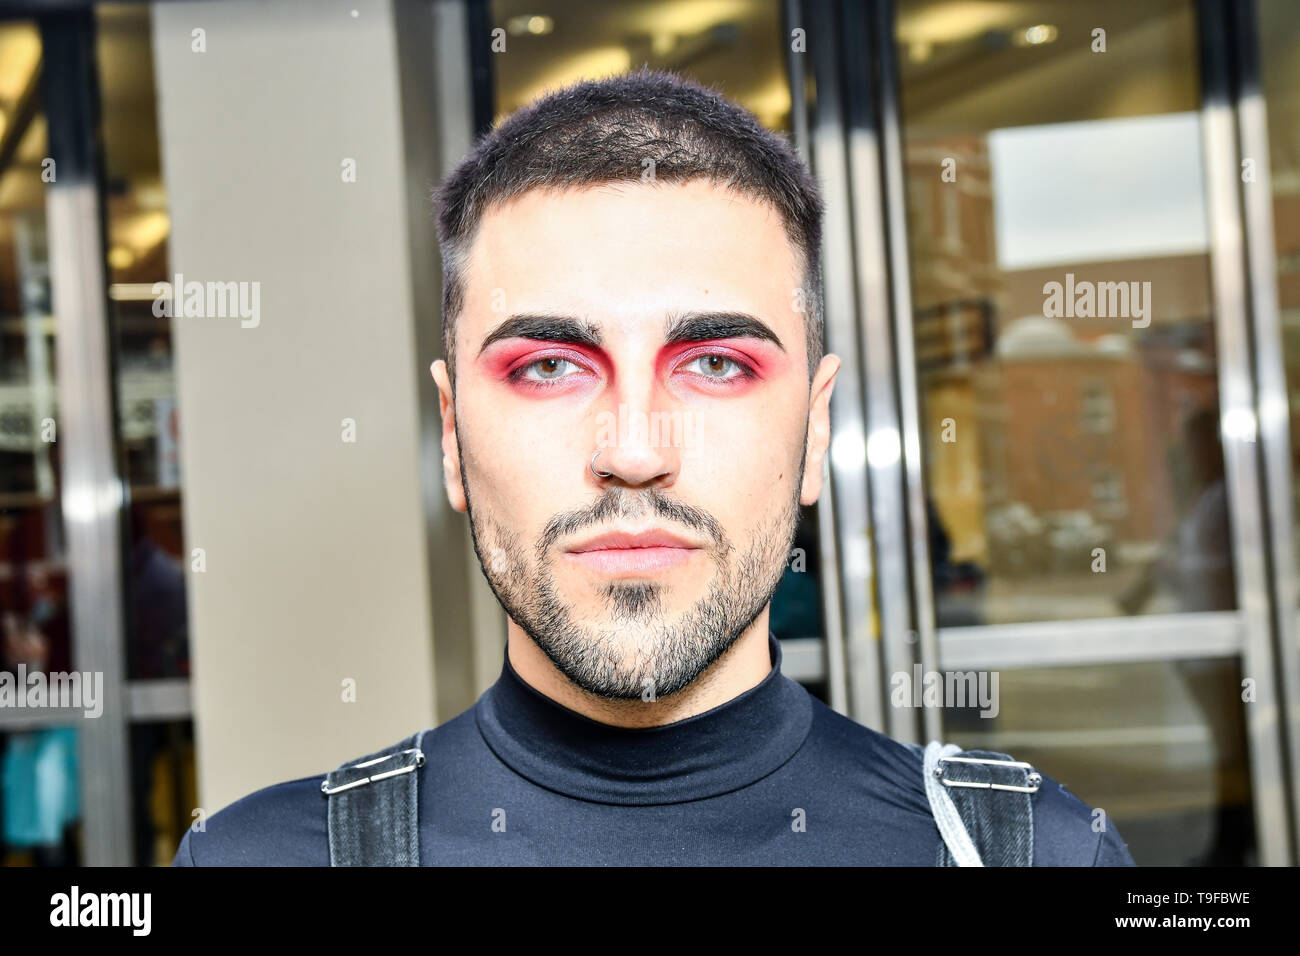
column 598, row 474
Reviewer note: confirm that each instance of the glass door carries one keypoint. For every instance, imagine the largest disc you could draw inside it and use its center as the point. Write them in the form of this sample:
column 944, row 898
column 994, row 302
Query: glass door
column 40, row 766
column 92, row 586
column 1085, row 420
column 1046, row 220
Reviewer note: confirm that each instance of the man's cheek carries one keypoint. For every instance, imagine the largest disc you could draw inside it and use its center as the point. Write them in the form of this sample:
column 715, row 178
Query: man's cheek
column 512, row 483
column 529, row 479
column 495, row 473
column 740, row 450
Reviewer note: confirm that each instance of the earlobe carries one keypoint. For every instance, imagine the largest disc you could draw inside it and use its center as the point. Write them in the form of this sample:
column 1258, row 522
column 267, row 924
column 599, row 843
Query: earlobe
column 450, row 442
column 819, row 429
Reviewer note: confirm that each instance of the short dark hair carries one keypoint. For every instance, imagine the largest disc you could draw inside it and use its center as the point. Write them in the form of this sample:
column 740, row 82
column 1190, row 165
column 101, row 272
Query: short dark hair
column 601, row 131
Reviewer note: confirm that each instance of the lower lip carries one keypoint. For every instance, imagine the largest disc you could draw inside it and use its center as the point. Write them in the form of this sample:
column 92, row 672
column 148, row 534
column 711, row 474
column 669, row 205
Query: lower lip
column 632, row 560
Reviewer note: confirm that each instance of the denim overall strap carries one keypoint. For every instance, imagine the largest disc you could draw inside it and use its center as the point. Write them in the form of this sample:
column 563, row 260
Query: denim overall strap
column 374, row 807
column 956, row 848
column 993, row 794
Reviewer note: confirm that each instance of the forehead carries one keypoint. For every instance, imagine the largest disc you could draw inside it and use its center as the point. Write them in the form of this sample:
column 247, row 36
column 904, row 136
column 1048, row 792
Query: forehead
column 629, row 253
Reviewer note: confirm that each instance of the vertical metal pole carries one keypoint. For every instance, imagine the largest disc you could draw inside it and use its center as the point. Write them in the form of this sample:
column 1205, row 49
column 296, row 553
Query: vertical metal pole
column 848, row 427
column 1239, row 428
column 908, row 387
column 1270, row 377
column 837, row 685
column 92, row 492
column 884, row 451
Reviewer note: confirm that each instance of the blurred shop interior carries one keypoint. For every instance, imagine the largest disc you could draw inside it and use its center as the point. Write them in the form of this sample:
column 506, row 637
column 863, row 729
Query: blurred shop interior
column 1100, row 507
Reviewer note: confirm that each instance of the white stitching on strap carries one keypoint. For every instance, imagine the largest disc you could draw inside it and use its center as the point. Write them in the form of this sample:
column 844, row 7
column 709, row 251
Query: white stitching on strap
column 945, row 812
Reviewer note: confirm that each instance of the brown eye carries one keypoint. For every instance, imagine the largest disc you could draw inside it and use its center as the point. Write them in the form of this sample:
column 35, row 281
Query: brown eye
column 548, row 368
column 715, row 366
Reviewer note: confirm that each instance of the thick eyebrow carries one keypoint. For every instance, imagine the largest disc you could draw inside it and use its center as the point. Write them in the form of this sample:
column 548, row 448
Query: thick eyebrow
column 705, row 326
column 692, row 327
column 545, row 328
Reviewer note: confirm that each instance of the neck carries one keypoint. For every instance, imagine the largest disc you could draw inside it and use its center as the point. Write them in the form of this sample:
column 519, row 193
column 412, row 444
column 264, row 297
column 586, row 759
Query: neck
column 742, row 666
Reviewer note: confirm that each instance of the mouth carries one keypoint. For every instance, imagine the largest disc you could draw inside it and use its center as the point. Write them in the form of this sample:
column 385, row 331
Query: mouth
column 630, row 554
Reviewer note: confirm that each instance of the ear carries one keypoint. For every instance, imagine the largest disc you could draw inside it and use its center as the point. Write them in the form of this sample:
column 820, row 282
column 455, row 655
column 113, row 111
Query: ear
column 819, row 428
column 450, row 444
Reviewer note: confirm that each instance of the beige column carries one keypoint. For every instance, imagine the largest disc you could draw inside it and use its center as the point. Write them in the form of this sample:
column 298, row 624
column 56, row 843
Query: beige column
column 332, row 612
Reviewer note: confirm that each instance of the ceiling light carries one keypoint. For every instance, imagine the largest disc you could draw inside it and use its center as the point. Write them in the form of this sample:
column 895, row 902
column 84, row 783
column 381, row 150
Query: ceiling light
column 529, row 25
column 1036, row 35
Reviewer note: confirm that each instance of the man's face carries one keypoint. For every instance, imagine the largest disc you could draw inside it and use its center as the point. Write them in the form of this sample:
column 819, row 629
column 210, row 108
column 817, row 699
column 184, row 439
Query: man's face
column 659, row 325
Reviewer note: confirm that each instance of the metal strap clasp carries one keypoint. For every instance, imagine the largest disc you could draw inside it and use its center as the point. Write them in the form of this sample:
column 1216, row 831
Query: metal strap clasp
column 407, row 766
column 1035, row 778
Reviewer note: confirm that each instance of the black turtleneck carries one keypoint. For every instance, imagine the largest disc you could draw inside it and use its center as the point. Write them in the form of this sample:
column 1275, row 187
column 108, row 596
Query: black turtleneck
column 703, row 756
column 771, row 777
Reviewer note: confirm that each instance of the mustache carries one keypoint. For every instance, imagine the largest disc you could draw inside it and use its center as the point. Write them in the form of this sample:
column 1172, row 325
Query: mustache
column 620, row 503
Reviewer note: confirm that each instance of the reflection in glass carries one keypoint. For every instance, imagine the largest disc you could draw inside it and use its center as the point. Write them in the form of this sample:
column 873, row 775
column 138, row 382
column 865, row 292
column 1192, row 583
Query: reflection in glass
column 148, row 426
column 1160, row 747
column 1063, row 324
column 39, row 797
column 736, row 47
column 162, row 789
column 1279, row 62
column 148, row 423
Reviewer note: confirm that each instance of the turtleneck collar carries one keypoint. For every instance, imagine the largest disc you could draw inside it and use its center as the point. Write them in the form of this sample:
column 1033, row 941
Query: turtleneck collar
column 723, row 749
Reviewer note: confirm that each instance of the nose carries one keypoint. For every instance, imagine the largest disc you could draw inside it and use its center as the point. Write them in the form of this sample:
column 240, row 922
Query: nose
column 638, row 438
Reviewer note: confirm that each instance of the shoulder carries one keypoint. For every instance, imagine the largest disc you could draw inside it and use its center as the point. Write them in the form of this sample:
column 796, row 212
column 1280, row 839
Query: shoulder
column 279, row 825
column 877, row 762
column 285, row 824
column 860, row 744
column 1067, row 831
